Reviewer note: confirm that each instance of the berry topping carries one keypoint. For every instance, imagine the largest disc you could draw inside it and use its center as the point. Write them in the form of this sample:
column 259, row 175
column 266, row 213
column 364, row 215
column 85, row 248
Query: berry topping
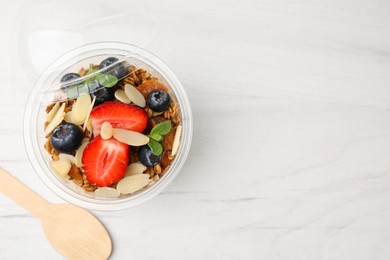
column 119, row 115
column 118, row 70
column 147, row 158
column 66, row 138
column 69, row 77
column 105, row 161
column 159, row 100
column 102, row 94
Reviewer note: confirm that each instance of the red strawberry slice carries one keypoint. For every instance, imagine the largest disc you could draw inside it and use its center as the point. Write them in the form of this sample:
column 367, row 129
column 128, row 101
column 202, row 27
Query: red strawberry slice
column 120, row 115
column 105, row 161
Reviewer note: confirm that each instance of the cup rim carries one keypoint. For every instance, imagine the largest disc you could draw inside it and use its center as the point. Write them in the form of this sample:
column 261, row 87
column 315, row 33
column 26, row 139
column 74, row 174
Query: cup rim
column 31, row 139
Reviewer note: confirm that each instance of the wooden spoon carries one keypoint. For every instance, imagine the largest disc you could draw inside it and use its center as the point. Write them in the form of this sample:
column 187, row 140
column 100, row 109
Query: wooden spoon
column 72, row 231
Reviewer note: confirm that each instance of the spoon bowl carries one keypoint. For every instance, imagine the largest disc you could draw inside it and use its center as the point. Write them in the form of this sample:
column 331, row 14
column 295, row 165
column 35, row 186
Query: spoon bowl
column 72, row 231
column 75, row 232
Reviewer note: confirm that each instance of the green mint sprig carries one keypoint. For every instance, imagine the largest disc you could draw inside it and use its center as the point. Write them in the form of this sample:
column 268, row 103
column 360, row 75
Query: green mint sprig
column 156, row 136
column 105, row 80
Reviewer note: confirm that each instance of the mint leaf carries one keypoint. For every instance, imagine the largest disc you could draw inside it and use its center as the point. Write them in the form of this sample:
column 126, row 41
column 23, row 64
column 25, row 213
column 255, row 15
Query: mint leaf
column 91, row 70
column 155, row 147
column 88, row 81
column 156, row 134
column 156, row 137
column 107, row 80
column 162, row 128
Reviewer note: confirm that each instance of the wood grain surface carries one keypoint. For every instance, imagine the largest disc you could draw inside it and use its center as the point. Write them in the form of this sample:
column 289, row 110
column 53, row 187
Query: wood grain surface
column 290, row 155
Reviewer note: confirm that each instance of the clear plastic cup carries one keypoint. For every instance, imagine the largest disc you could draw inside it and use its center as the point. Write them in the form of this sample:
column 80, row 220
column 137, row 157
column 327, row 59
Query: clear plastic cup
column 42, row 95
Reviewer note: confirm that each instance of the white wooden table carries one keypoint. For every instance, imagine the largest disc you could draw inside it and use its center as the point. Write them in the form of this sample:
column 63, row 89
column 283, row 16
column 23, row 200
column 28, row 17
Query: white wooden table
column 291, row 148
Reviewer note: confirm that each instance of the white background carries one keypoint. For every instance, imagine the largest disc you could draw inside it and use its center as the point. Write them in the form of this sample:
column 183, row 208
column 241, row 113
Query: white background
column 291, row 149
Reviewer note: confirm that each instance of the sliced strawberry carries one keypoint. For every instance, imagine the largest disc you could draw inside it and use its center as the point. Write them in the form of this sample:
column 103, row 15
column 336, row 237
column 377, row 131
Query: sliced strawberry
column 105, row 161
column 120, row 115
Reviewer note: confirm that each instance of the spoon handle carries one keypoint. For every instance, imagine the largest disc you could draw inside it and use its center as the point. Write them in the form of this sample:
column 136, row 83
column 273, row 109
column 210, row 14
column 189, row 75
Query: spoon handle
column 21, row 194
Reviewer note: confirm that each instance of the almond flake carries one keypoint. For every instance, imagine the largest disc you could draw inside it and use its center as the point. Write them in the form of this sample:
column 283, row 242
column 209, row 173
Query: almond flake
column 176, row 140
column 106, row 131
column 69, row 157
column 134, row 169
column 122, row 97
column 130, row 137
column 107, row 192
column 87, row 122
column 132, row 183
column 81, row 107
column 88, row 126
column 52, row 112
column 61, row 167
column 134, row 95
column 57, row 119
column 157, row 113
column 69, row 118
column 79, row 154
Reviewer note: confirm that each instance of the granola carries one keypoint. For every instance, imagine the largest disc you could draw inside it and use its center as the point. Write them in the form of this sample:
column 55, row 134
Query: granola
column 146, row 84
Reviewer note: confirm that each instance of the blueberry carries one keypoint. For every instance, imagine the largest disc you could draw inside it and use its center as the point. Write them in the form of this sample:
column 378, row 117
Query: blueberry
column 66, row 138
column 159, row 100
column 102, row 94
column 147, row 158
column 69, row 77
column 119, row 70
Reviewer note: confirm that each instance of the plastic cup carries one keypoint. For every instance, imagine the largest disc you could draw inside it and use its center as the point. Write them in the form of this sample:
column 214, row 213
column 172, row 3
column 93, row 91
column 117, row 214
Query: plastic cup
column 42, row 95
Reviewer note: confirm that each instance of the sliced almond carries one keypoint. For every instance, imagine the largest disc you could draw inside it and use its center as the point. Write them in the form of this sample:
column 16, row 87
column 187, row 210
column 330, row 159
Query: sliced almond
column 130, row 137
column 85, row 140
column 79, row 154
column 157, row 113
column 52, row 112
column 69, row 118
column 81, row 107
column 134, row 95
column 88, row 126
column 107, row 192
column 61, row 167
column 69, row 157
column 57, row 119
column 134, row 169
column 122, row 97
column 132, row 183
column 87, row 122
column 176, row 140
column 106, row 131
